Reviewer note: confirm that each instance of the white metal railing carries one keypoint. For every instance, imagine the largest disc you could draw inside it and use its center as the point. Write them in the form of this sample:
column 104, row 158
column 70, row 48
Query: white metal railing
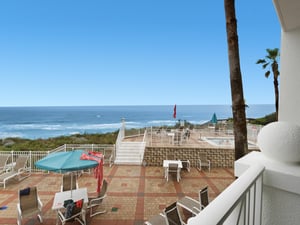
column 37, row 155
column 252, row 132
column 145, row 136
column 169, row 137
column 134, row 132
column 92, row 147
column 239, row 204
column 120, row 136
column 33, row 157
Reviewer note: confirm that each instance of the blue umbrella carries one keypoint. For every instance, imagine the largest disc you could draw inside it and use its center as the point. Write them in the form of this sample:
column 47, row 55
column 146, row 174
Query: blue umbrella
column 214, row 119
column 62, row 162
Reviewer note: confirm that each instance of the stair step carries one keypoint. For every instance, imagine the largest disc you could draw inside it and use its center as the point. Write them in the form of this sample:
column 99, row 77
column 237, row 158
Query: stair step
column 129, row 153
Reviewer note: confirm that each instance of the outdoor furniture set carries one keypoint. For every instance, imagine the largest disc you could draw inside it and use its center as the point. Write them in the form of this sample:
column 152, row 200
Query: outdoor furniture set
column 71, row 202
column 171, row 214
column 173, row 166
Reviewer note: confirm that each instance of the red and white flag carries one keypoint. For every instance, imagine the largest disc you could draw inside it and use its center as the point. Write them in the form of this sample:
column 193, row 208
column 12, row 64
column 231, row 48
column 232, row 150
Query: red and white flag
column 174, row 113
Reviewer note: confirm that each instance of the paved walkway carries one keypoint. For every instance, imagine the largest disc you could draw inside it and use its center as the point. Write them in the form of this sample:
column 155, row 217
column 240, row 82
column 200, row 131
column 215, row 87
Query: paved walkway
column 135, row 193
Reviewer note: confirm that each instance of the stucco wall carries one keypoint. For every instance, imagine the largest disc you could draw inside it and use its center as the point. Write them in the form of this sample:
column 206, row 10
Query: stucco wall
column 289, row 98
column 276, row 200
column 154, row 156
column 281, row 182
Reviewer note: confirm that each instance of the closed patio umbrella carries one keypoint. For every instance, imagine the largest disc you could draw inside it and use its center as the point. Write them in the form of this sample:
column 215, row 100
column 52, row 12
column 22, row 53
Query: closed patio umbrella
column 214, row 119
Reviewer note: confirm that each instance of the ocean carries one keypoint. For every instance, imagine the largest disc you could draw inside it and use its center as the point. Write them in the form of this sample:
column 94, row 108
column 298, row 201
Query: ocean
column 47, row 122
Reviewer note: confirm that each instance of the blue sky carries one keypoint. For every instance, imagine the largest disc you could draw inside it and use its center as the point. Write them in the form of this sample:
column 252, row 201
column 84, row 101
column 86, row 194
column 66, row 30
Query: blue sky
column 133, row 52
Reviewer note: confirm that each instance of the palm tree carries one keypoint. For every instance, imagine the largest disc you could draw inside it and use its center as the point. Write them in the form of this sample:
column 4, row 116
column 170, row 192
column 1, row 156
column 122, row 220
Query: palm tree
column 237, row 96
column 271, row 59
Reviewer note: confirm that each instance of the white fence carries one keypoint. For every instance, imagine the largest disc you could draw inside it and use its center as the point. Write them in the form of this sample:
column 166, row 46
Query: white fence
column 37, row 155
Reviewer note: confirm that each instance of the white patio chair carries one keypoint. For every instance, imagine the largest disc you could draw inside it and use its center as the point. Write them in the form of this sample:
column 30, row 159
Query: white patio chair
column 29, row 204
column 203, row 162
column 173, row 168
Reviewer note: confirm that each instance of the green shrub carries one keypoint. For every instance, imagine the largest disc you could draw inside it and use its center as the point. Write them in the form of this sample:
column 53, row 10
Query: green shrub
column 19, row 144
column 264, row 120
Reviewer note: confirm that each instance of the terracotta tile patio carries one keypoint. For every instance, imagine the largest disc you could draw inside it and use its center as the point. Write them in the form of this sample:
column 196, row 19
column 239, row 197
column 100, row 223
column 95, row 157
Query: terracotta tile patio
column 135, row 193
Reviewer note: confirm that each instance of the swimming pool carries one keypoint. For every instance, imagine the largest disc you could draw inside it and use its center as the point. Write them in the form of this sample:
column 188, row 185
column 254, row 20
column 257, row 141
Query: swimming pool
column 225, row 142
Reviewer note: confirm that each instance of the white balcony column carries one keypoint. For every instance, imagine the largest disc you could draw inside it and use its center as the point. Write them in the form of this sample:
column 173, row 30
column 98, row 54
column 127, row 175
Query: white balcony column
column 280, row 155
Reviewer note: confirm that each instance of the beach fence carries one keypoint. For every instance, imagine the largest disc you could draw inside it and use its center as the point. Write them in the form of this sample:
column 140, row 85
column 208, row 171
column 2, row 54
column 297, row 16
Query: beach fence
column 252, row 132
column 107, row 150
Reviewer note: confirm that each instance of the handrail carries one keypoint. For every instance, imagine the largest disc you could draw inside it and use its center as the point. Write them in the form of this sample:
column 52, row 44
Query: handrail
column 121, row 135
column 239, row 203
column 145, row 135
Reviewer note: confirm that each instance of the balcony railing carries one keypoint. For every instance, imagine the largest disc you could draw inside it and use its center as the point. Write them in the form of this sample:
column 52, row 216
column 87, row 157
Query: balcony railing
column 239, row 204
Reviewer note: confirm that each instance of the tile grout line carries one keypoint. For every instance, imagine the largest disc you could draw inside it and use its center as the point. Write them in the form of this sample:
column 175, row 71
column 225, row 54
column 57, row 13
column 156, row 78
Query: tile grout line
column 112, row 173
column 211, row 184
column 140, row 202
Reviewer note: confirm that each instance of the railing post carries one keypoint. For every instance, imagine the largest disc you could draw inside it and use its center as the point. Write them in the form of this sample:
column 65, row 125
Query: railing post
column 12, row 156
column 30, row 160
column 123, row 128
column 151, row 136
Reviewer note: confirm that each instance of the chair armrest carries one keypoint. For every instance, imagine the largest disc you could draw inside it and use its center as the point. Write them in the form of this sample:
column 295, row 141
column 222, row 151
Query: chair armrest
column 110, row 160
column 19, row 209
column 197, row 210
column 21, row 170
column 40, row 204
column 61, row 215
column 96, row 200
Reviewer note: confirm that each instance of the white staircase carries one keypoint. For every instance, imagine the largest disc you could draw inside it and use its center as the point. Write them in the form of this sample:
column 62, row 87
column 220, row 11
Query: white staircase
column 130, row 153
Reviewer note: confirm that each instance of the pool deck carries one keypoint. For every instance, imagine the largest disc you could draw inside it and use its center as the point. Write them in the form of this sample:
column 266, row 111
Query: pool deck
column 135, row 193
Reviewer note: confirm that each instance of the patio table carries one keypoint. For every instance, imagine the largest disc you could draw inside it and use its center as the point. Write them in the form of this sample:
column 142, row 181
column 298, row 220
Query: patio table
column 75, row 195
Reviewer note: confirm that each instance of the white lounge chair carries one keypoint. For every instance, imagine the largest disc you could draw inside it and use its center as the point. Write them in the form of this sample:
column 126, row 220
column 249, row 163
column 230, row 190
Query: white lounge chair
column 18, row 172
column 3, row 162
